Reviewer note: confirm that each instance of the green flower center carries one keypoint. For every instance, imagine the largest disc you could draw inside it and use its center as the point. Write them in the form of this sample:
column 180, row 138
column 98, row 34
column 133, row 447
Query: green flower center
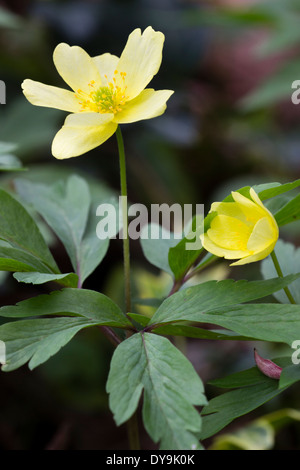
column 106, row 99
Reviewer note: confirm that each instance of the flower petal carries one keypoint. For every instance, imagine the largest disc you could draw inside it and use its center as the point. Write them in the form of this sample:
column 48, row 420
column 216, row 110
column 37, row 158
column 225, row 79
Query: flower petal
column 228, row 208
column 255, row 257
column 148, row 104
column 106, row 65
column 82, row 132
column 262, row 236
column 140, row 60
column 76, row 67
column 50, row 96
column 251, row 210
column 213, row 248
column 228, row 232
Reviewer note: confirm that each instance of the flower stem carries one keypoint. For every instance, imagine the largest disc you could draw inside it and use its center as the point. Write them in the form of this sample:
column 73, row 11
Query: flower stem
column 132, row 423
column 280, row 274
column 126, row 250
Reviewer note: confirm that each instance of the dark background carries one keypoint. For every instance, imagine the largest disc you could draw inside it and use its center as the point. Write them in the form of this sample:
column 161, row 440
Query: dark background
column 230, row 122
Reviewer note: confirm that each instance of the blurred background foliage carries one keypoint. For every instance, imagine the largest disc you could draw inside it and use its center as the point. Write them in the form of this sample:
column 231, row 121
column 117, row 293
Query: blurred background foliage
column 231, row 122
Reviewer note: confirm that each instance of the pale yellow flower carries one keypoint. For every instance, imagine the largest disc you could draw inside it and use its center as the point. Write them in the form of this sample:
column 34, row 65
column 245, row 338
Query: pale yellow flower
column 106, row 91
column 243, row 229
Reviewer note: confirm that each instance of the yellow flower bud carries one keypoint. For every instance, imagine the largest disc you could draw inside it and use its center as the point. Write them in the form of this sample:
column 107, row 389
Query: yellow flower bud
column 244, row 229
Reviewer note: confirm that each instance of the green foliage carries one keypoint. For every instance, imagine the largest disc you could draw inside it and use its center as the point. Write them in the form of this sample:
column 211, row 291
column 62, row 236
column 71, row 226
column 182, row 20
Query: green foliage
column 251, row 389
column 259, row 434
column 69, row 210
column 171, row 388
column 289, row 260
column 194, row 303
column 147, row 363
column 156, row 246
column 37, row 340
column 8, row 161
column 19, row 230
column 80, row 302
column 68, row 279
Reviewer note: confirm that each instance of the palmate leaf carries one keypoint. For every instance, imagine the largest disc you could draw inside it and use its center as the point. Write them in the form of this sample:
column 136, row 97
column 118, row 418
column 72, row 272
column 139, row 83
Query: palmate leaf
column 171, row 388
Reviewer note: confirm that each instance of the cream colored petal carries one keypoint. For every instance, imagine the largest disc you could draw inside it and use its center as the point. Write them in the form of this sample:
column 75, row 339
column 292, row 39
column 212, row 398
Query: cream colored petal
column 213, row 248
column 50, row 96
column 140, row 60
column 253, row 212
column 106, row 65
column 148, row 104
column 228, row 208
column 81, row 133
column 228, row 232
column 262, row 236
column 256, row 198
column 76, row 67
column 255, row 257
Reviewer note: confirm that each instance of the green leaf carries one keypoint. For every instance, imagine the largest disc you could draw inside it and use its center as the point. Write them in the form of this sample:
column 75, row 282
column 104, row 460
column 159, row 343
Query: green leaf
column 247, row 377
column 10, row 20
column 68, row 279
column 289, row 375
column 92, row 249
column 258, row 435
column 7, row 147
column 37, row 340
column 10, row 163
column 20, row 231
column 171, row 388
column 156, row 249
column 289, row 212
column 13, row 259
column 273, row 90
column 192, row 303
column 289, row 259
column 71, row 212
column 256, row 390
column 225, row 408
column 267, row 322
column 86, row 303
column 141, row 319
column 269, row 190
column 65, row 207
column 195, row 332
column 180, row 258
